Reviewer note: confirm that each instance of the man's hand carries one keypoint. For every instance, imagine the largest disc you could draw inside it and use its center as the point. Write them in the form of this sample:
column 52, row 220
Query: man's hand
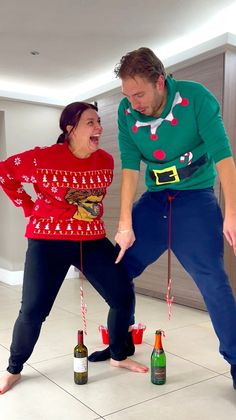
column 230, row 230
column 125, row 239
column 227, row 174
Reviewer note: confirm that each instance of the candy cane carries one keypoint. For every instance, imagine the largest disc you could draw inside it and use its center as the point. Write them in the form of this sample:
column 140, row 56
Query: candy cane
column 169, row 299
column 189, row 155
column 83, row 306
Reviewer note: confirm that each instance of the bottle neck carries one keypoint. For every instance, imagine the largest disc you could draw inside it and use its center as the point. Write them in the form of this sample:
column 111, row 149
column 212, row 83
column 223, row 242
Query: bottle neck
column 80, row 337
column 158, row 342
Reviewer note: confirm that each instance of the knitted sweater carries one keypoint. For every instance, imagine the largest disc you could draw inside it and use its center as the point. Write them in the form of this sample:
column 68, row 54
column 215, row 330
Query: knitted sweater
column 69, row 191
column 189, row 127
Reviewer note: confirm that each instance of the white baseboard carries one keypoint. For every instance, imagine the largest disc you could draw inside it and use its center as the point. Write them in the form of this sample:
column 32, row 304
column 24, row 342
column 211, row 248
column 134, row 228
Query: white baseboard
column 14, row 278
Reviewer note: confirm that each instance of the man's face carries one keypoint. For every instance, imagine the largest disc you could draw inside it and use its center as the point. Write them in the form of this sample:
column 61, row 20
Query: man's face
column 145, row 97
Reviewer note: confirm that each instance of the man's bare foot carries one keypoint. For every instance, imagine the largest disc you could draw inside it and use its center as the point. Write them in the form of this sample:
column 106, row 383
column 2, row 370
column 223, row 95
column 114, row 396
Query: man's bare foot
column 7, row 381
column 129, row 364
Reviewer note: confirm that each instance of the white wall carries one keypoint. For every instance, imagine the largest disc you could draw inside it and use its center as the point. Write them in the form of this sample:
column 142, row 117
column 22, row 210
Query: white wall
column 22, row 126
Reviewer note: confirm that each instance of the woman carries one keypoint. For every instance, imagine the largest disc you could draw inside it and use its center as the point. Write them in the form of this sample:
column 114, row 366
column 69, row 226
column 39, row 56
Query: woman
column 65, row 228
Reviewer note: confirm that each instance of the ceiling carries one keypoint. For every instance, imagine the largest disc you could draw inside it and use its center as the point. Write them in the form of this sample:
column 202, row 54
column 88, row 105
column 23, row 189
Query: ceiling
column 80, row 41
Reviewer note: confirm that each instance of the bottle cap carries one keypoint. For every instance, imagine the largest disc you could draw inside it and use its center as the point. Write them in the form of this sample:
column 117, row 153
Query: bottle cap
column 161, row 332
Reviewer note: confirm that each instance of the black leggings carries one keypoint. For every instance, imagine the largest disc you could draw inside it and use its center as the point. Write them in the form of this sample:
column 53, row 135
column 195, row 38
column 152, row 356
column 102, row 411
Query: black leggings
column 46, row 266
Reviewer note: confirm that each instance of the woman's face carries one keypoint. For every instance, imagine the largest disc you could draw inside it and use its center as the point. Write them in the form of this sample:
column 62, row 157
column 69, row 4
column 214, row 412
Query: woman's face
column 84, row 138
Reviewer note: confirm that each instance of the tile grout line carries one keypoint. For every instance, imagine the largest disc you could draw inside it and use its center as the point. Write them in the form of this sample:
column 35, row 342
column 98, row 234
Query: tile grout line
column 67, row 392
column 162, row 395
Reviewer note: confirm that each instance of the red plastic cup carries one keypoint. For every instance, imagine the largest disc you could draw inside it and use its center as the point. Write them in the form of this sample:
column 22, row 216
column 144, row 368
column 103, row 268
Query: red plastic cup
column 104, row 333
column 137, row 333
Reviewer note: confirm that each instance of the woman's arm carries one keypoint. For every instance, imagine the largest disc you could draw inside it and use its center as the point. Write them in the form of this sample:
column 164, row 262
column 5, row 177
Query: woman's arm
column 14, row 171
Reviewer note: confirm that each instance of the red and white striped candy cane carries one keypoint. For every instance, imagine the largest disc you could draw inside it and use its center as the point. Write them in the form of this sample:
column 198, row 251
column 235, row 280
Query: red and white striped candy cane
column 83, row 306
column 189, row 155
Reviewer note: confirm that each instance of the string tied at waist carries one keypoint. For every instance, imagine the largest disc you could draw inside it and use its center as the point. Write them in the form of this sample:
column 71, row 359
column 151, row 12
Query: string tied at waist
column 169, row 298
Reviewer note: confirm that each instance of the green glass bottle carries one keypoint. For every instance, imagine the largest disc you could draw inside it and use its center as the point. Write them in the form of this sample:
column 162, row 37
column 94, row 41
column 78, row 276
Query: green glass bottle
column 80, row 361
column 158, row 361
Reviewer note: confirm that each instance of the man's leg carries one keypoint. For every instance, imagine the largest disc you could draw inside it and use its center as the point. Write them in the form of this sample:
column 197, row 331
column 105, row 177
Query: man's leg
column 150, row 227
column 102, row 355
column 113, row 284
column 197, row 241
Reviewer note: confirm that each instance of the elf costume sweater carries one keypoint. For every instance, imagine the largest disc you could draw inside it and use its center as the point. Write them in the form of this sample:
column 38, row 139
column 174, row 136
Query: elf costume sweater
column 189, row 128
column 69, row 191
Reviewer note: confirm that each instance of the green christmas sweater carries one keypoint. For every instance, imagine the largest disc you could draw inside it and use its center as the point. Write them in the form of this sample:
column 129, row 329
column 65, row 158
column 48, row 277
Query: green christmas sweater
column 189, row 127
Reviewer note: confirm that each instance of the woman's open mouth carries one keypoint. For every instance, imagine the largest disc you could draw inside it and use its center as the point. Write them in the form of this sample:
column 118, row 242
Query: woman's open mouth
column 95, row 139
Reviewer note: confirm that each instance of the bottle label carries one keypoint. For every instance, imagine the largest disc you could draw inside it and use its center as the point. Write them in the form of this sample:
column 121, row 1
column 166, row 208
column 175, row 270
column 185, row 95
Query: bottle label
column 159, row 374
column 80, row 364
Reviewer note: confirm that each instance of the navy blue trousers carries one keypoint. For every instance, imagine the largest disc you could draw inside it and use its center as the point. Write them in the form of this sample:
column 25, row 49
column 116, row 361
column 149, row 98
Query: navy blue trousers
column 197, row 242
column 46, row 265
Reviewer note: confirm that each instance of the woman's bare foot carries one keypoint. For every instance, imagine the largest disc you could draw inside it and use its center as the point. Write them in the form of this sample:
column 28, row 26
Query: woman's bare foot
column 7, row 381
column 129, row 364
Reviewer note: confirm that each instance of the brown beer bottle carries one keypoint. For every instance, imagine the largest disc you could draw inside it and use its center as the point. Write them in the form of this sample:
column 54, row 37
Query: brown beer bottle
column 80, row 361
column 158, row 361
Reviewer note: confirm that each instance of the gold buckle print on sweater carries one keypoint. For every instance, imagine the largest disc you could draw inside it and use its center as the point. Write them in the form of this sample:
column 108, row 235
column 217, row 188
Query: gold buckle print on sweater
column 170, row 175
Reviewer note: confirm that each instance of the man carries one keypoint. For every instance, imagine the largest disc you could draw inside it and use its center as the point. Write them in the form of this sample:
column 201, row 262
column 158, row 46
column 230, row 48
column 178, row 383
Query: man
column 176, row 129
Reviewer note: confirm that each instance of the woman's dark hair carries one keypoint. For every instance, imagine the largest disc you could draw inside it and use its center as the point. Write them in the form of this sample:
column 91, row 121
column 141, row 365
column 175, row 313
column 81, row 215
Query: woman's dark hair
column 71, row 115
column 142, row 62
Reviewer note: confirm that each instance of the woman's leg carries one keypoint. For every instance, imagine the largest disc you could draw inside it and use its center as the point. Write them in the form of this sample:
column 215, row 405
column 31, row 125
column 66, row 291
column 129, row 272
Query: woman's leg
column 197, row 242
column 45, row 270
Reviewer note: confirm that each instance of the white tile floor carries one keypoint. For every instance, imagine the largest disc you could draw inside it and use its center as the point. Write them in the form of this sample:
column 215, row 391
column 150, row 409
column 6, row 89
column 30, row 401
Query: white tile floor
column 198, row 385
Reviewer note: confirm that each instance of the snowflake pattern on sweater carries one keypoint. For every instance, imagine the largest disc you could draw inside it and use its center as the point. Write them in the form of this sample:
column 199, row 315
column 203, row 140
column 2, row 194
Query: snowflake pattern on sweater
column 69, row 191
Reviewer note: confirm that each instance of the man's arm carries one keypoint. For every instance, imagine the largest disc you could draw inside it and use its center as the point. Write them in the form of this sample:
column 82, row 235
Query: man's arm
column 227, row 173
column 125, row 235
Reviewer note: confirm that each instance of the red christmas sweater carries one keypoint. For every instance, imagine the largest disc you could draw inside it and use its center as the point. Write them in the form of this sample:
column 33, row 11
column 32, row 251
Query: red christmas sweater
column 69, row 191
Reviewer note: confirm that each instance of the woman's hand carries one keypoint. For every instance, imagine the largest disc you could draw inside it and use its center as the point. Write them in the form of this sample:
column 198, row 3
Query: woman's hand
column 125, row 239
